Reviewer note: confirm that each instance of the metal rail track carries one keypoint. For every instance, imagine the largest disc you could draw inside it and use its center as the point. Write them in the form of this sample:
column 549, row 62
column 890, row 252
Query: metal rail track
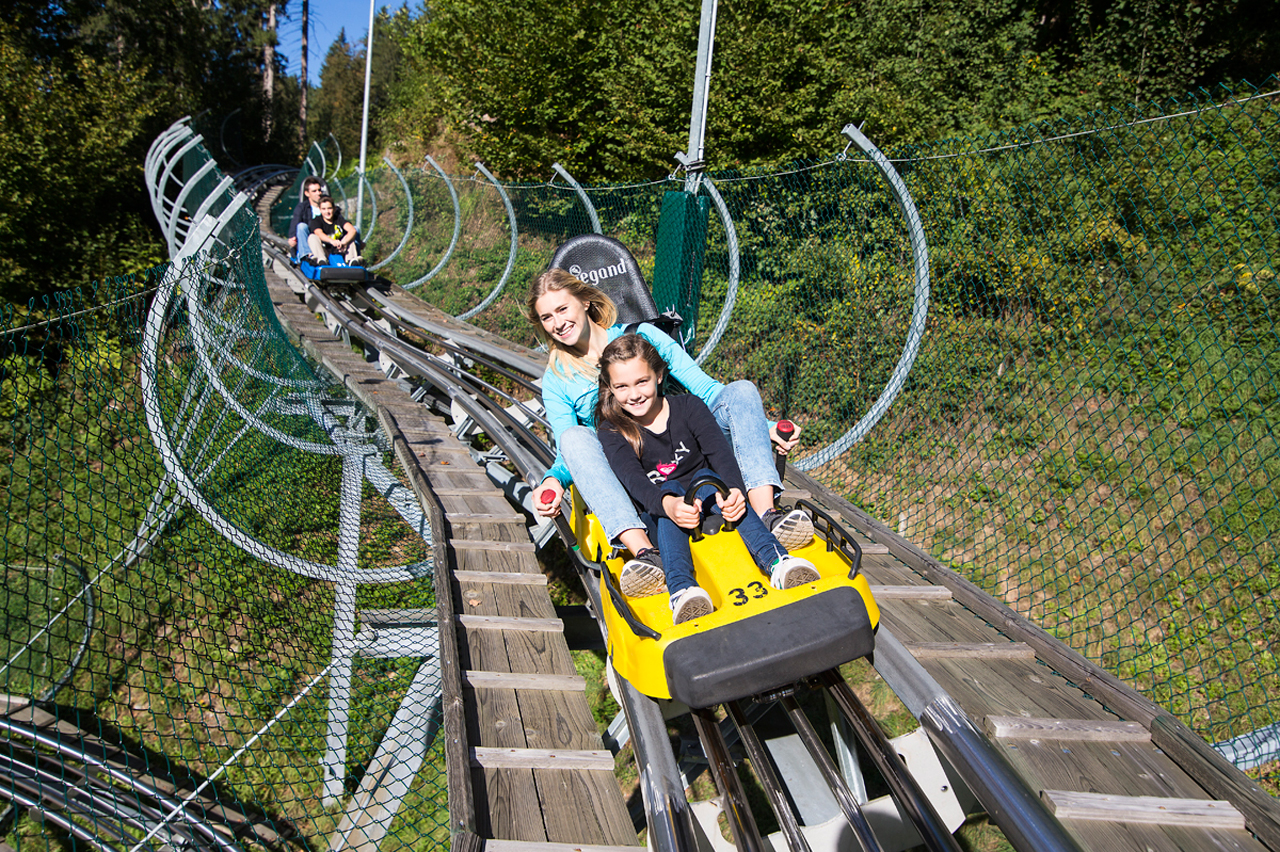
column 1007, row 787
column 71, row 780
column 453, row 378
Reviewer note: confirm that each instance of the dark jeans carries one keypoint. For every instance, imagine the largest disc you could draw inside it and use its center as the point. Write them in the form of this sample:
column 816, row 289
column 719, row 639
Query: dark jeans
column 673, row 541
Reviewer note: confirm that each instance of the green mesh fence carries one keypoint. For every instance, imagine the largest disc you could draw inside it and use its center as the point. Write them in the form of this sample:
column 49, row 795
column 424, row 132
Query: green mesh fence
column 1088, row 430
column 185, row 551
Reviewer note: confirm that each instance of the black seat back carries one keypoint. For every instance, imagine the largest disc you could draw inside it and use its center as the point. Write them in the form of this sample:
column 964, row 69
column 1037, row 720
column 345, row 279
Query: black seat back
column 606, row 263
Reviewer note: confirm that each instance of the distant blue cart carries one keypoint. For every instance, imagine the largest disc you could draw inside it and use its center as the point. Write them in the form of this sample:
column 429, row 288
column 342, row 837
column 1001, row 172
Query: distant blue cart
column 335, row 270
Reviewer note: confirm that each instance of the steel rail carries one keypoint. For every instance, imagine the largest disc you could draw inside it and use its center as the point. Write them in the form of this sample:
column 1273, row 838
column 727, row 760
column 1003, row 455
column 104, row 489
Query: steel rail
column 84, row 797
column 667, row 813
column 733, row 798
column 486, row 385
column 479, row 383
column 769, row 780
column 1019, row 812
column 365, row 298
column 489, row 418
column 64, row 749
column 906, row 792
column 37, row 803
column 514, row 360
column 844, row 796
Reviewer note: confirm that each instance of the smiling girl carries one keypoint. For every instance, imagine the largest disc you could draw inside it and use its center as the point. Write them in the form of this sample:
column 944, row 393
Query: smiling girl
column 657, row 446
column 578, row 321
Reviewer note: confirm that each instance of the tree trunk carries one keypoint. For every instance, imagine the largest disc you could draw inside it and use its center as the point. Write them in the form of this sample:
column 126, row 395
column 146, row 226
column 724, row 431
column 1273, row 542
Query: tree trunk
column 269, row 73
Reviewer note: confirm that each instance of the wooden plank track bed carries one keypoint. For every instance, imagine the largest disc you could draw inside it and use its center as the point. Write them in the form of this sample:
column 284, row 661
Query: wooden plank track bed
column 527, row 769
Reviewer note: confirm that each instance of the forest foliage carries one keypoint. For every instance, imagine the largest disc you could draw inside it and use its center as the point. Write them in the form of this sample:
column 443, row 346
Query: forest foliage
column 85, row 86
column 605, row 88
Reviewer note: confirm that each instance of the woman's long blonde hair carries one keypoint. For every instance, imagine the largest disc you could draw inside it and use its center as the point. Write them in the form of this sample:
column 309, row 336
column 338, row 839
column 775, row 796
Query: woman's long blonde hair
column 600, row 310
column 608, row 408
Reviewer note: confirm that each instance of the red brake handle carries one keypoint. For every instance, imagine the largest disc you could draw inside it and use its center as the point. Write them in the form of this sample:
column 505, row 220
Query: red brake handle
column 785, row 430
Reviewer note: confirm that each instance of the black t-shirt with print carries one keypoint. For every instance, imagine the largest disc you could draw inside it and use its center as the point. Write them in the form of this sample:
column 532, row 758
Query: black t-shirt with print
column 692, row 441
column 335, row 230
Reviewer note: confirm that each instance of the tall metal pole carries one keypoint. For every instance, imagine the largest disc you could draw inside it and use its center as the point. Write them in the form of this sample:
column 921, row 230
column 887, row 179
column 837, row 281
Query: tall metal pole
column 302, row 103
column 701, row 85
column 364, row 121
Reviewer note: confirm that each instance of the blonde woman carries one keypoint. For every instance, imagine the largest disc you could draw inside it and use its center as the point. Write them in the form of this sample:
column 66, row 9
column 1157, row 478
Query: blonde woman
column 577, row 321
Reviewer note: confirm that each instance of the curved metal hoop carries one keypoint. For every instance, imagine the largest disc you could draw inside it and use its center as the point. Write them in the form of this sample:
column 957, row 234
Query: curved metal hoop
column 222, row 137
column 408, row 228
column 373, row 215
column 919, row 309
column 582, row 196
column 188, row 488
column 511, row 256
column 457, row 226
column 323, row 166
column 337, row 148
column 731, row 297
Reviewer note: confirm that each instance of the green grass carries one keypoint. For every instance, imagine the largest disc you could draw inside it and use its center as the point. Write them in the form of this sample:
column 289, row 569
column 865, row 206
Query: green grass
column 1141, row 542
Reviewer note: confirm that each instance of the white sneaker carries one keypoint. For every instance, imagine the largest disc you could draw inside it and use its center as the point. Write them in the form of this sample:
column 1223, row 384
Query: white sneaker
column 688, row 604
column 642, row 576
column 792, row 529
column 791, row 571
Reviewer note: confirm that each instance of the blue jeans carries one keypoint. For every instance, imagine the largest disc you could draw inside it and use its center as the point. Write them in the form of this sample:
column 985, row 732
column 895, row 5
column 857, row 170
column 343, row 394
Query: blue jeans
column 739, row 412
column 302, row 233
column 673, row 541
column 596, row 483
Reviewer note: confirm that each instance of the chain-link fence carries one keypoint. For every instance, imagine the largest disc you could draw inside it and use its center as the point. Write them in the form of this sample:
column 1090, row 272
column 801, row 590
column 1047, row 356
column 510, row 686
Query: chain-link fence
column 1089, row 426
column 194, row 520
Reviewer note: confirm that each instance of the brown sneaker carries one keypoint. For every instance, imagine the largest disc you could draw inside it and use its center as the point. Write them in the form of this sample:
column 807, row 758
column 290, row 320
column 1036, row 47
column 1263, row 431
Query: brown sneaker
column 792, row 529
column 643, row 576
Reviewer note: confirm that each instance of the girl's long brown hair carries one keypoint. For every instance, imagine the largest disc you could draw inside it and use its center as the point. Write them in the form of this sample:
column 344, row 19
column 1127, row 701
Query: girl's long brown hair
column 625, row 348
column 600, row 310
